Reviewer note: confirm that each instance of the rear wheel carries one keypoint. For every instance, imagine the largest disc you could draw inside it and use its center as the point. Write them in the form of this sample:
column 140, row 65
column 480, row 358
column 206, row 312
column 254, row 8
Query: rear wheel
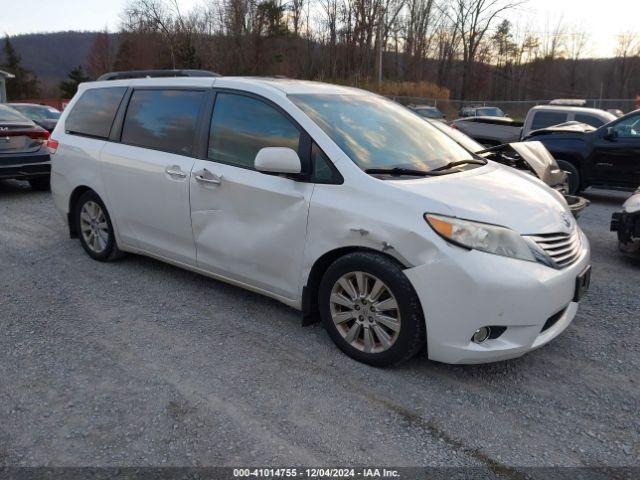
column 40, row 183
column 573, row 176
column 94, row 228
column 371, row 310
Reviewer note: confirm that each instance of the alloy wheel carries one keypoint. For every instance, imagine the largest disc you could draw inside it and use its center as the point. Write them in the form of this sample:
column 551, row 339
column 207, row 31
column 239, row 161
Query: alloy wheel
column 94, row 227
column 365, row 312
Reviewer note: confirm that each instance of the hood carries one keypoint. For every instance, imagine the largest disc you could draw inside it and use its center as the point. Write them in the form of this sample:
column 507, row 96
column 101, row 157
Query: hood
column 494, row 194
column 535, row 157
column 567, row 127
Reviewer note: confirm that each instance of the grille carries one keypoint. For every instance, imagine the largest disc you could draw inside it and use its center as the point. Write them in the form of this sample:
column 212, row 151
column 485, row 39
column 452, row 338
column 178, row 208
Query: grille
column 563, row 248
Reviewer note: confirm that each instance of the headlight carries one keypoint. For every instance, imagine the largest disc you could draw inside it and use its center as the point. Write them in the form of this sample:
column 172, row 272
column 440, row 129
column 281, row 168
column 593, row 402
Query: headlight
column 481, row 236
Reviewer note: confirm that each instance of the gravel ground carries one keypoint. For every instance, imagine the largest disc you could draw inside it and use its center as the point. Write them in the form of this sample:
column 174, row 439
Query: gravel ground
column 140, row 363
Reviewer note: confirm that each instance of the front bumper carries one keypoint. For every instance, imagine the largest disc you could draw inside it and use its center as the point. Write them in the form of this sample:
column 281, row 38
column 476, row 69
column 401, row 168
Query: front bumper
column 25, row 166
column 462, row 291
column 627, row 226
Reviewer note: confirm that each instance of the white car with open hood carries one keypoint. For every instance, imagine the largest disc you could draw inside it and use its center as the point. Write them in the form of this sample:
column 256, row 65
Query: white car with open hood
column 333, row 200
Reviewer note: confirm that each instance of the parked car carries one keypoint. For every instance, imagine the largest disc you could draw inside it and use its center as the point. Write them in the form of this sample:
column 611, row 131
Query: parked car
column 42, row 115
column 428, row 112
column 627, row 224
column 492, row 131
column 332, row 200
column 23, row 150
column 600, row 157
column 481, row 112
column 616, row 112
column 530, row 157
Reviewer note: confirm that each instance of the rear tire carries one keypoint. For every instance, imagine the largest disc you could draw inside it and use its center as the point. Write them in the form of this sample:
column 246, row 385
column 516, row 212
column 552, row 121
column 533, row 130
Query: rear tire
column 370, row 309
column 95, row 229
column 573, row 176
column 41, row 184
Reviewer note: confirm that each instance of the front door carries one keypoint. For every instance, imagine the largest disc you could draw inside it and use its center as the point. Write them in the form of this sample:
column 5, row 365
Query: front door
column 147, row 174
column 249, row 226
column 616, row 160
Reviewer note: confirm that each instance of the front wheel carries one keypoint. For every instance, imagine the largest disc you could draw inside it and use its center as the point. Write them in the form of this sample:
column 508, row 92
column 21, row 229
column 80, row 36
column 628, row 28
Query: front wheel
column 371, row 310
column 573, row 176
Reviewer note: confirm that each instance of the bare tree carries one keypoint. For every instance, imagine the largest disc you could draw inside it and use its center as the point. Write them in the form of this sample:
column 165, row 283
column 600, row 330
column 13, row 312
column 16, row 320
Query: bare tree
column 472, row 19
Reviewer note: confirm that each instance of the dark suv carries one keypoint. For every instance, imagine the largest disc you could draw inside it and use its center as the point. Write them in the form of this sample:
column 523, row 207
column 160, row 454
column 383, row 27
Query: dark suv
column 608, row 156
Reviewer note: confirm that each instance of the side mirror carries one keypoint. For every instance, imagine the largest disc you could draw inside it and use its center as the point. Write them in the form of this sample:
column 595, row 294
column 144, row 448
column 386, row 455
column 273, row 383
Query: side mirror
column 277, row 160
column 610, row 133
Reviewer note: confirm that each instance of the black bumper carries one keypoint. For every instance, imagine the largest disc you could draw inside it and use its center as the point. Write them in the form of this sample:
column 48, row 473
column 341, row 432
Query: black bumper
column 25, row 166
column 627, row 225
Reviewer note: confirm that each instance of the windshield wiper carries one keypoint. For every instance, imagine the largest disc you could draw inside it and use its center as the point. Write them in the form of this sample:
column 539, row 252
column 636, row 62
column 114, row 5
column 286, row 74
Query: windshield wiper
column 398, row 171
column 451, row 165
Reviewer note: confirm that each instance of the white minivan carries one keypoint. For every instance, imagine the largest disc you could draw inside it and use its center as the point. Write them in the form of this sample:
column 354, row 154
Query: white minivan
column 333, row 200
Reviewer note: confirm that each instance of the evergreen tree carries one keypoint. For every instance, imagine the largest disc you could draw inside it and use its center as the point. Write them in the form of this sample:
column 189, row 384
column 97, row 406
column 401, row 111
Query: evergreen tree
column 68, row 88
column 25, row 83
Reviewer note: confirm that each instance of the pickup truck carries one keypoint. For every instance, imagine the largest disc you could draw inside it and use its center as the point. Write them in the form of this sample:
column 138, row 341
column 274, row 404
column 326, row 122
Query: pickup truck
column 608, row 156
column 492, row 131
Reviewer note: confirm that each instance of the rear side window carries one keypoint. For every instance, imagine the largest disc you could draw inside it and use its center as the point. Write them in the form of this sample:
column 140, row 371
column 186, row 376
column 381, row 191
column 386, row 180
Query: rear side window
column 547, row 119
column 163, row 120
column 589, row 120
column 242, row 125
column 93, row 113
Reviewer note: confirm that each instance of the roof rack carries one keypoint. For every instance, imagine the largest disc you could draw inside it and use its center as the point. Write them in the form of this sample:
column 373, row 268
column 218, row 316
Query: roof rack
column 156, row 73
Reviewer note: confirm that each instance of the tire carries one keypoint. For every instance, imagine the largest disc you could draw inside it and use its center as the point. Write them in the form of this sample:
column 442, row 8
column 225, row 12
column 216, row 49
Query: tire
column 41, row 184
column 95, row 229
column 367, row 310
column 573, row 176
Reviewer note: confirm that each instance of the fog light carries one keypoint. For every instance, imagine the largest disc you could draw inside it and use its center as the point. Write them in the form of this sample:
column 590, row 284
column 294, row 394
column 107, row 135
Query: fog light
column 481, row 335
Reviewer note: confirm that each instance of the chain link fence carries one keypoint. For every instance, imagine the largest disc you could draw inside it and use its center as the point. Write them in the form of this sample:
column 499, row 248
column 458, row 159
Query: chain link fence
column 514, row 109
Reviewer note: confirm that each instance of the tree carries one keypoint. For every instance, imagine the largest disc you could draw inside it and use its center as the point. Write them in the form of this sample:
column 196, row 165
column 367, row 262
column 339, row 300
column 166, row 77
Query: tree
column 101, row 56
column 69, row 87
column 472, row 19
column 25, row 84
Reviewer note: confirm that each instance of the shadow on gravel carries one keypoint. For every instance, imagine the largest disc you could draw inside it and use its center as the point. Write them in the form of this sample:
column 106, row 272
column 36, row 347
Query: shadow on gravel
column 614, row 197
column 10, row 188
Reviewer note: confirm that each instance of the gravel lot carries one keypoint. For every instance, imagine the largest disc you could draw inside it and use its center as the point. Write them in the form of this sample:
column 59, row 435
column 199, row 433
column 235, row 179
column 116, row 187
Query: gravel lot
column 140, row 363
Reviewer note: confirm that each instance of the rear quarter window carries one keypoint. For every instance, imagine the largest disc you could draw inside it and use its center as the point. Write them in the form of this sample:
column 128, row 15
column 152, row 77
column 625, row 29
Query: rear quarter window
column 547, row 119
column 93, row 113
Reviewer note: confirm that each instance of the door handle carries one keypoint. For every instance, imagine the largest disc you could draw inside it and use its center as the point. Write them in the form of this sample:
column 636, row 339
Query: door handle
column 205, row 176
column 175, row 171
column 604, row 164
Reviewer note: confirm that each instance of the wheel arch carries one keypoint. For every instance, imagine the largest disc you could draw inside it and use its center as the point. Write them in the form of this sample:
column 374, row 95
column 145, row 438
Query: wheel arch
column 310, row 312
column 73, row 200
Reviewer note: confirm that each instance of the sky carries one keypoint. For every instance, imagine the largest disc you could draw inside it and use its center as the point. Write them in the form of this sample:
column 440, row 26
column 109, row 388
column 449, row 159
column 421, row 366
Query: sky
column 602, row 20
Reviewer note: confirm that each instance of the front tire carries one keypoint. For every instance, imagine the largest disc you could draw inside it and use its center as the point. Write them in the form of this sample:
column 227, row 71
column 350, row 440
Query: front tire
column 370, row 309
column 95, row 229
column 573, row 176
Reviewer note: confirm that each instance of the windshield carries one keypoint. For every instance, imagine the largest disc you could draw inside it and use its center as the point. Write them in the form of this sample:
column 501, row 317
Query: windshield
column 490, row 112
column 378, row 133
column 459, row 137
column 36, row 112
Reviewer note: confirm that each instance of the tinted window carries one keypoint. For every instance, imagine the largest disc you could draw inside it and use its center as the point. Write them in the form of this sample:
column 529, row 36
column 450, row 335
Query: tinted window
column 547, row 119
column 93, row 113
column 323, row 172
column 163, row 119
column 589, row 120
column 490, row 112
column 242, row 125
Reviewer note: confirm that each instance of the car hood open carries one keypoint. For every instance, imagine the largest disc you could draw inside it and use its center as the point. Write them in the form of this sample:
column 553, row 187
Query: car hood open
column 494, row 194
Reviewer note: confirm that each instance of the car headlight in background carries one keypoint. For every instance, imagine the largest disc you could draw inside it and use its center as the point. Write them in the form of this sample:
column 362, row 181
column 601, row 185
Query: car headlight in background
column 481, row 236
